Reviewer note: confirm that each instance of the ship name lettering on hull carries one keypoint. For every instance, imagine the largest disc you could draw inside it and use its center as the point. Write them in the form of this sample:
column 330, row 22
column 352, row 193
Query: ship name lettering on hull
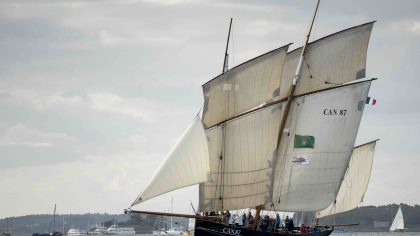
column 231, row 231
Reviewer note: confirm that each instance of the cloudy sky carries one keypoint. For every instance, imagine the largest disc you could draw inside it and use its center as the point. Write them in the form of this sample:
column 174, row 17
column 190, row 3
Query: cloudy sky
column 93, row 94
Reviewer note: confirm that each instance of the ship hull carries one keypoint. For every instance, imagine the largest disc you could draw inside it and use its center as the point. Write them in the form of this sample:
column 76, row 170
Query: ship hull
column 210, row 228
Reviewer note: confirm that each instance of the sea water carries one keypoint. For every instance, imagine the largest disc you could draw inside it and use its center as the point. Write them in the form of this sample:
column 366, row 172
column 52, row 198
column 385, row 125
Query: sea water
column 375, row 234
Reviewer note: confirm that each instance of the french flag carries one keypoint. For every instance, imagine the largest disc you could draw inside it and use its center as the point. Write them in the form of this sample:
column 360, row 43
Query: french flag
column 370, row 101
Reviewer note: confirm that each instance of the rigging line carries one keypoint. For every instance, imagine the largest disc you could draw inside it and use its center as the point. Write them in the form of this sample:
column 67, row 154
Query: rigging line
column 222, row 186
column 217, row 177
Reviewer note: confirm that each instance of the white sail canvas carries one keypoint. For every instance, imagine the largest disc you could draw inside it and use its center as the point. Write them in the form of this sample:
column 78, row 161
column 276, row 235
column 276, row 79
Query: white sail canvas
column 242, row 178
column 243, row 87
column 398, row 223
column 355, row 182
column 330, row 61
column 330, row 121
column 187, row 164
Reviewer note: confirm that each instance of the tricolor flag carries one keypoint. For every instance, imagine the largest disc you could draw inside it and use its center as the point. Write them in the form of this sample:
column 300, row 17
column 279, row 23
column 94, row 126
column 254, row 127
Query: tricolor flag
column 370, row 101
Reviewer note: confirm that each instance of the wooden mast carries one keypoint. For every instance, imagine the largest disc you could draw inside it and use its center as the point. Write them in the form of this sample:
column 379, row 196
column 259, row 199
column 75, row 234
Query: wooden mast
column 291, row 91
column 225, row 61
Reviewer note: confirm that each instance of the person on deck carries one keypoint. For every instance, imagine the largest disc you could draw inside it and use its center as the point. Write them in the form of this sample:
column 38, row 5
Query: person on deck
column 251, row 223
column 290, row 226
column 278, row 222
column 243, row 219
column 286, row 221
column 227, row 217
column 263, row 224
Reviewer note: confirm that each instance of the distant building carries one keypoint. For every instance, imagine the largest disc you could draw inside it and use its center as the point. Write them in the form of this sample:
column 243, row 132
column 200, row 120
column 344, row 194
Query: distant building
column 381, row 224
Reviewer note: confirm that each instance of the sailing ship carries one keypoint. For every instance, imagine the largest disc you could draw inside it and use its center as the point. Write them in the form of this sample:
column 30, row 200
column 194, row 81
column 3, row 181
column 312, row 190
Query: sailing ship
column 277, row 133
column 398, row 223
column 6, row 231
column 54, row 231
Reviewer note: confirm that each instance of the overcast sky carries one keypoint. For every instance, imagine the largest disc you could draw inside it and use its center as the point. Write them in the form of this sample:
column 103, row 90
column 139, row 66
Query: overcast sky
column 93, row 94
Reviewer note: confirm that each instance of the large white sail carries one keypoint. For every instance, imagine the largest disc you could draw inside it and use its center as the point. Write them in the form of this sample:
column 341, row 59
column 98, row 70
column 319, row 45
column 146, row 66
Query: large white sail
column 356, row 179
column 187, row 164
column 241, row 155
column 330, row 61
column 316, row 147
column 243, row 87
column 398, row 223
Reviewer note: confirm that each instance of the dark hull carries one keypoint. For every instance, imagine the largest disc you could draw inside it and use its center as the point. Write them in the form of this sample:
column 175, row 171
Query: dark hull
column 209, row 228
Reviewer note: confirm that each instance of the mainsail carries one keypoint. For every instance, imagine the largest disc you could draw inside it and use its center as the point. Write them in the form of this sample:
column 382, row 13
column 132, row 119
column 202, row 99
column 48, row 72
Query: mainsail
column 307, row 177
column 398, row 223
column 241, row 153
column 355, row 182
column 190, row 151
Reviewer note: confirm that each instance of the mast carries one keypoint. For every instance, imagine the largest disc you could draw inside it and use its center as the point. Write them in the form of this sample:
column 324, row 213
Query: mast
column 55, row 207
column 226, row 60
column 291, row 91
column 295, row 81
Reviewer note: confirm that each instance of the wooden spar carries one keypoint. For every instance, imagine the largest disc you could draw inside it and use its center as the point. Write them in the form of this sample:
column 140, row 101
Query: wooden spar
column 127, row 211
column 224, row 67
column 291, row 91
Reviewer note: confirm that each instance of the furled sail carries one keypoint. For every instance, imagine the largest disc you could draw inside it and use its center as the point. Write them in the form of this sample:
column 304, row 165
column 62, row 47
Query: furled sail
column 241, row 156
column 355, row 182
column 398, row 223
column 190, row 151
column 243, row 87
column 330, row 61
column 316, row 147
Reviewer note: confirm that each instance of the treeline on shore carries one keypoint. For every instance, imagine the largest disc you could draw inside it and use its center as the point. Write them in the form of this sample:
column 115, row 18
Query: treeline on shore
column 366, row 216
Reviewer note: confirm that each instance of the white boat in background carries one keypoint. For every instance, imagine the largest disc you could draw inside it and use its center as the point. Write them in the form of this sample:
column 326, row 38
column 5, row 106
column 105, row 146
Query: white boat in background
column 115, row 230
column 98, row 230
column 75, row 232
column 398, row 223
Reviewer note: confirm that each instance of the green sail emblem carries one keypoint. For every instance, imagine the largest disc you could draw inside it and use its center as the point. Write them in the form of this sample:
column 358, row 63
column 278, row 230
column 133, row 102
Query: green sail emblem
column 304, row 141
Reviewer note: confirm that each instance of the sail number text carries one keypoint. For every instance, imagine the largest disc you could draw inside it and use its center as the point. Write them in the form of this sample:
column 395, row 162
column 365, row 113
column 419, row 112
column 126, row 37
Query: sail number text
column 335, row 112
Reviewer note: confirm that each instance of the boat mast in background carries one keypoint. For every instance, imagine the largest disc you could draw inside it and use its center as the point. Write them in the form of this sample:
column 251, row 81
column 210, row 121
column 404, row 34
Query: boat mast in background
column 226, row 60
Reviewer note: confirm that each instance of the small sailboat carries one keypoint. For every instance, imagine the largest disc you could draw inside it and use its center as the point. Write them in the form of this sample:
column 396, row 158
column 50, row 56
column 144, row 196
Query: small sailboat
column 398, row 223
column 277, row 133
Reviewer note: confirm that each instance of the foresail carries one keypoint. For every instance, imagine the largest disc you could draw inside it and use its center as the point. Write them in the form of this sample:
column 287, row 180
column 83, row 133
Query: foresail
column 187, row 164
column 355, row 183
column 241, row 155
column 330, row 61
column 316, row 147
column 243, row 87
column 398, row 223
